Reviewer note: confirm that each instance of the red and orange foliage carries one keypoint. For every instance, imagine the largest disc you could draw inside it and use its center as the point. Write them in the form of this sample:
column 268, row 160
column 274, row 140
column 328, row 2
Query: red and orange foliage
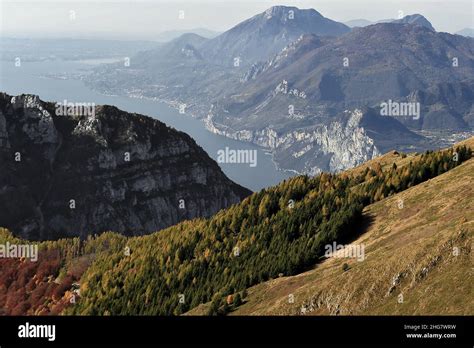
column 33, row 288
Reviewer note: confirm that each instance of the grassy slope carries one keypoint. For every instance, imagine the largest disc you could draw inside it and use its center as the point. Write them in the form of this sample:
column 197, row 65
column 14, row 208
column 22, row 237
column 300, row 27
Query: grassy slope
column 416, row 242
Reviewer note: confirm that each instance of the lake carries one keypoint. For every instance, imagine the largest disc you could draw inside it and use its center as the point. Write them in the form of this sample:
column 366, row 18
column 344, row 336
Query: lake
column 30, row 78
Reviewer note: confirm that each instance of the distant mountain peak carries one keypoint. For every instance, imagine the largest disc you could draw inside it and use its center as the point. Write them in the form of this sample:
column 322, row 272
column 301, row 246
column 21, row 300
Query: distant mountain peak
column 468, row 32
column 275, row 10
column 415, row 19
column 354, row 23
column 189, row 39
column 285, row 10
column 267, row 33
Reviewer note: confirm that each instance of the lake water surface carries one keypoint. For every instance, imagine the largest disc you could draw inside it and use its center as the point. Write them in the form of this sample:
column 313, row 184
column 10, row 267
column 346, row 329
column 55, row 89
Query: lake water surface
column 30, row 78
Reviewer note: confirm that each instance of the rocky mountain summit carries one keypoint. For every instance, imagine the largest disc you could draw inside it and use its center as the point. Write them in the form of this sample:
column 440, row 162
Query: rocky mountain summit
column 415, row 19
column 87, row 173
column 267, row 33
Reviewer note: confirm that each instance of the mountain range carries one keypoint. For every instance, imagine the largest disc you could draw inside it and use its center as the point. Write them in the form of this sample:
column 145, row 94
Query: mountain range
column 308, row 88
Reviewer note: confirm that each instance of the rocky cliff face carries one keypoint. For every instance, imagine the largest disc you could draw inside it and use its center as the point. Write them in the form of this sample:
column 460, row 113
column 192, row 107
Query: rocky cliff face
column 348, row 140
column 110, row 170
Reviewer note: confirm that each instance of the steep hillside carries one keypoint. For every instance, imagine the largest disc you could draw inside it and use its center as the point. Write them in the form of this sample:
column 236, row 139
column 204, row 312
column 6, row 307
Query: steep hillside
column 48, row 283
column 276, row 233
column 80, row 174
column 281, row 231
column 418, row 260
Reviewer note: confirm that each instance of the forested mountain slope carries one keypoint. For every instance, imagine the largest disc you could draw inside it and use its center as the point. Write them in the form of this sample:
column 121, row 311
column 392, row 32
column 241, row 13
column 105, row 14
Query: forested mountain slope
column 278, row 232
column 418, row 260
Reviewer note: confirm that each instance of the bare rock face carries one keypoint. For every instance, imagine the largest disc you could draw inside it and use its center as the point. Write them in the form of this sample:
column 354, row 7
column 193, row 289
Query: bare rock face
column 353, row 137
column 82, row 174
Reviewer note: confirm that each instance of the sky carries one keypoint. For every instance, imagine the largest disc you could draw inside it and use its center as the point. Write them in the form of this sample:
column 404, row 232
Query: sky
column 144, row 19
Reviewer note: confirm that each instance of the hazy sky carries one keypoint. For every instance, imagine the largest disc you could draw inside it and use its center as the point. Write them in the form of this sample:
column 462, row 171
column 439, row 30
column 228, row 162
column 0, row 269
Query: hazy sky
column 144, row 19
